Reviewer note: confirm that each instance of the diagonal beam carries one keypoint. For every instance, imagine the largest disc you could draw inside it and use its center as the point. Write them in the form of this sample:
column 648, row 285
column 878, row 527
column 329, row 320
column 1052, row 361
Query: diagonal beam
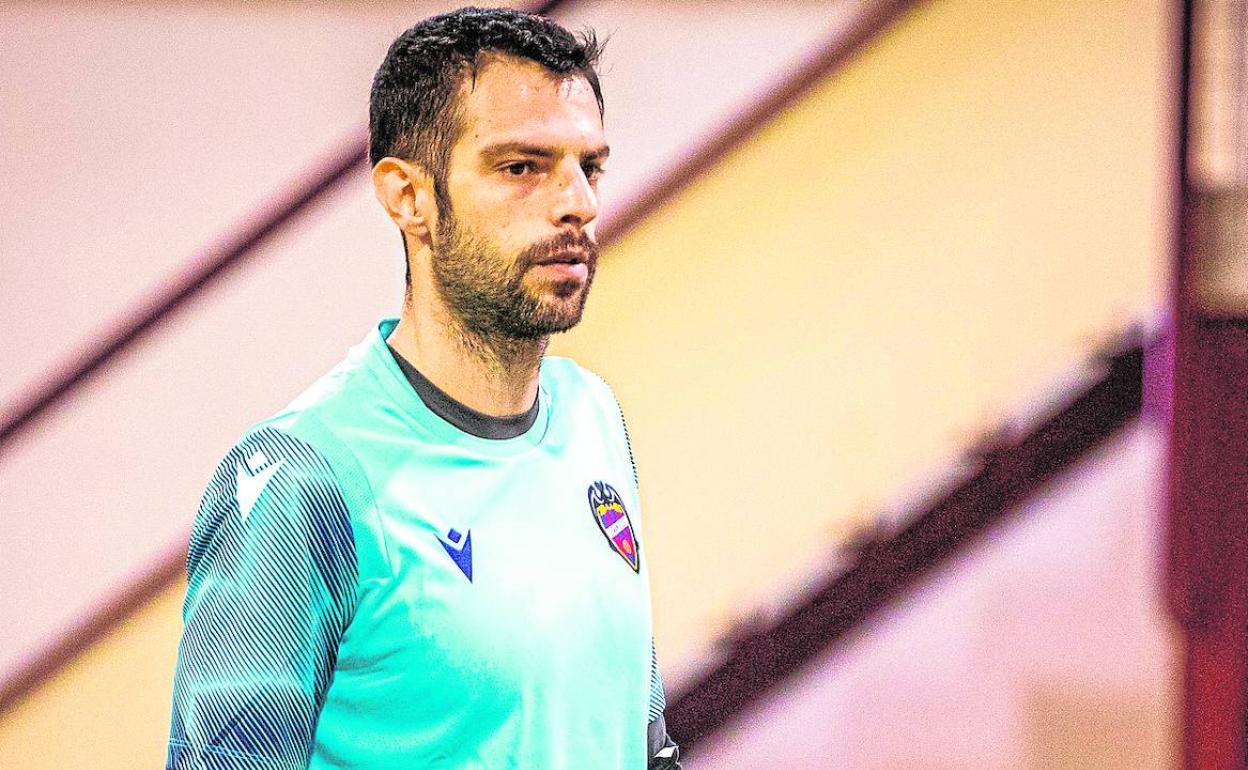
column 888, row 567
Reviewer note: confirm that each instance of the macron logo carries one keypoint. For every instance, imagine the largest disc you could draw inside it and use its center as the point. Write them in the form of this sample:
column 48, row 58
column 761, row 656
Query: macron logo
column 459, row 548
column 251, row 480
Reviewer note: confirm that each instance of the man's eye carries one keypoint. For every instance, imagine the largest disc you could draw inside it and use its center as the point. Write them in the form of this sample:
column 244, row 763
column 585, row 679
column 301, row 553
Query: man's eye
column 519, row 168
column 593, row 170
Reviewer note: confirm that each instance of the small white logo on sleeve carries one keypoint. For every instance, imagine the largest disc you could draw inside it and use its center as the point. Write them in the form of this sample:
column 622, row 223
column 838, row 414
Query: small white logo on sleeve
column 250, row 482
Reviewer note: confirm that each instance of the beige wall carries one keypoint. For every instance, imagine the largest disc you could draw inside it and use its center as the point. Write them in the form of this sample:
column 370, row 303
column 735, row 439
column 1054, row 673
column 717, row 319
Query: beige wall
column 110, row 710
column 902, row 258
column 825, row 317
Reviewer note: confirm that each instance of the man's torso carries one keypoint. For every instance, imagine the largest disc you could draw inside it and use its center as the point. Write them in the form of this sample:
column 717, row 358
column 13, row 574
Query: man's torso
column 500, row 615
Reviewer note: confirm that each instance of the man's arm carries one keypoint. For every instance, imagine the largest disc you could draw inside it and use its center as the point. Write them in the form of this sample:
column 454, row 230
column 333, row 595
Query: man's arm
column 271, row 588
column 663, row 752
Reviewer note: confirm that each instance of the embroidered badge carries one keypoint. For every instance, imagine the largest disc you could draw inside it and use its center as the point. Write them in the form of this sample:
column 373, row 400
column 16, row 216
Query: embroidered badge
column 608, row 509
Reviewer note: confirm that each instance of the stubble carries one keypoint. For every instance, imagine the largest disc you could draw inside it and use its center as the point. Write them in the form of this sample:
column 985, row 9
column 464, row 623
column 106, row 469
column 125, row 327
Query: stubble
column 488, row 294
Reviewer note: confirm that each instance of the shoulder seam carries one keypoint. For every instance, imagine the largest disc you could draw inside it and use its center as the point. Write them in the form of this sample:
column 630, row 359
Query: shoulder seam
column 368, row 484
column 628, row 441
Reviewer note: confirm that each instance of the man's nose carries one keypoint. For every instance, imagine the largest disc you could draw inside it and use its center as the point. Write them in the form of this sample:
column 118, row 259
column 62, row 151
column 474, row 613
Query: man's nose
column 576, row 201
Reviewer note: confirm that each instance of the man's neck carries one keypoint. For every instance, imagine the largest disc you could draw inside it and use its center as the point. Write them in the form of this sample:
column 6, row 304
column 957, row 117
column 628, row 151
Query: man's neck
column 497, row 377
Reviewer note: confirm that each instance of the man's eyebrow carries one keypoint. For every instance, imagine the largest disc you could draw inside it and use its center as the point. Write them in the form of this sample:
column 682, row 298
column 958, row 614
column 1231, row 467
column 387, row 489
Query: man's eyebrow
column 538, row 151
column 600, row 153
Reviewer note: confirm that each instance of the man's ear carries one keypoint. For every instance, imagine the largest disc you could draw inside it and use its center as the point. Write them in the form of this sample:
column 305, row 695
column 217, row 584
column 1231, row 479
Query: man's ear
column 405, row 191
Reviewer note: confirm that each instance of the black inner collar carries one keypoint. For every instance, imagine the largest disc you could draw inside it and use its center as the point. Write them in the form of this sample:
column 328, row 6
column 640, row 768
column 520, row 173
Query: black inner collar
column 465, row 418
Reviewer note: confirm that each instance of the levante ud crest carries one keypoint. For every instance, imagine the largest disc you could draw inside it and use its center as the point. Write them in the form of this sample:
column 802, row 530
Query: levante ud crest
column 612, row 518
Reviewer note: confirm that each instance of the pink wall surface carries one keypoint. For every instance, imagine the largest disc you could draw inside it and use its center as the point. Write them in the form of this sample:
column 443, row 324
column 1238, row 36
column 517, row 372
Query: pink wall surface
column 1046, row 645
column 177, row 122
column 136, row 134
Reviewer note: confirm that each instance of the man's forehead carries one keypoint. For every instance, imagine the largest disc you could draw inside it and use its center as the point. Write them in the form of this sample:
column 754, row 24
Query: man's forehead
column 498, row 71
column 513, row 95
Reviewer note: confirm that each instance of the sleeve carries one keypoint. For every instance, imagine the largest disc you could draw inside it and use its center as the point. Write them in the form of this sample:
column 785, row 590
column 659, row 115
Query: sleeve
column 271, row 588
column 663, row 752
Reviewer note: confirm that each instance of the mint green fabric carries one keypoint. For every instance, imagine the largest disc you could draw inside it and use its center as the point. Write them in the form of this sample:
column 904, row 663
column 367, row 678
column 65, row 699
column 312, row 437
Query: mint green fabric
column 535, row 652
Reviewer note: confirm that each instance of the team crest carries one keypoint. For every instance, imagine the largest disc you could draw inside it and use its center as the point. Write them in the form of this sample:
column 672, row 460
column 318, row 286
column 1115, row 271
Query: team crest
column 608, row 509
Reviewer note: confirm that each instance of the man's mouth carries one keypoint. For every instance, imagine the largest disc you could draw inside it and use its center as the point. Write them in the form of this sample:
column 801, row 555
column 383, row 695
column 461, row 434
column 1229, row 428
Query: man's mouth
column 564, row 266
column 564, row 258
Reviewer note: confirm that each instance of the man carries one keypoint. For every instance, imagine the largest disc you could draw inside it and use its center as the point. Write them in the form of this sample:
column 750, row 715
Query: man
column 431, row 558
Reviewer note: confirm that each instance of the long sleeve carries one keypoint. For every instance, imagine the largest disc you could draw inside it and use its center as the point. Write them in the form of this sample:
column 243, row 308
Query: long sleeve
column 663, row 752
column 271, row 589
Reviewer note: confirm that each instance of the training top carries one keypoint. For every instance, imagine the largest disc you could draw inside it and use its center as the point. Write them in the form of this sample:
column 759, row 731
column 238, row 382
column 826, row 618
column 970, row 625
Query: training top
column 372, row 587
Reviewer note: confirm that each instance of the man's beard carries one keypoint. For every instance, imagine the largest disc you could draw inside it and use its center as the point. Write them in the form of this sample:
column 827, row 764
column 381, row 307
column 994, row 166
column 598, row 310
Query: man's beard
column 488, row 295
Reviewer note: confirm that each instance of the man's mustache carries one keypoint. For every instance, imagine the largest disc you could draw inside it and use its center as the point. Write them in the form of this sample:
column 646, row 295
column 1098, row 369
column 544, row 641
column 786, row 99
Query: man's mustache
column 577, row 245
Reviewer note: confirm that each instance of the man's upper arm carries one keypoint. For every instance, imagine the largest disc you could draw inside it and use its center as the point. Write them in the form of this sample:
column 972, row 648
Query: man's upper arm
column 271, row 588
column 663, row 752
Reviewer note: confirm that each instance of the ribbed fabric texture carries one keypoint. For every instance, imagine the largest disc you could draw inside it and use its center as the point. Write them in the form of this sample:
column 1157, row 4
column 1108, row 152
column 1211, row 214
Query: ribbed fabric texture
column 272, row 586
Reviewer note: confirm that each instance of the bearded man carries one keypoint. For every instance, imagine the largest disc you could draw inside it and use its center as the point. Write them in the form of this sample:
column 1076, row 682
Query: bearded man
column 431, row 558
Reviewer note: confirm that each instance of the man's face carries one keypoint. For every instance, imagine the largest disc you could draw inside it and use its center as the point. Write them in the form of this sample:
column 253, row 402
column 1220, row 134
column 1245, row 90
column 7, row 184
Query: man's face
column 515, row 254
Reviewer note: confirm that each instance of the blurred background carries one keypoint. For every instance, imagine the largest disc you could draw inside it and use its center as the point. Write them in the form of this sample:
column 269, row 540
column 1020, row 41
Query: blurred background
column 885, row 296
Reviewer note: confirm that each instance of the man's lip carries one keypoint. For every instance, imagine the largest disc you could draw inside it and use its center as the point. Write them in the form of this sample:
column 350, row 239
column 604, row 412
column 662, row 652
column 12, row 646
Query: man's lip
column 565, row 258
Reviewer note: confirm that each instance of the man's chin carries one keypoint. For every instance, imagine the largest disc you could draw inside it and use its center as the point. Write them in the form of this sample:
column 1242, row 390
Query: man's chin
column 550, row 307
column 557, row 316
column 557, row 323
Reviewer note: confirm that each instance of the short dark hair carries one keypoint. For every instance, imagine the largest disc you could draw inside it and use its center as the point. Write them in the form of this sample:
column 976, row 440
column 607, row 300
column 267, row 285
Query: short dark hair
column 413, row 110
